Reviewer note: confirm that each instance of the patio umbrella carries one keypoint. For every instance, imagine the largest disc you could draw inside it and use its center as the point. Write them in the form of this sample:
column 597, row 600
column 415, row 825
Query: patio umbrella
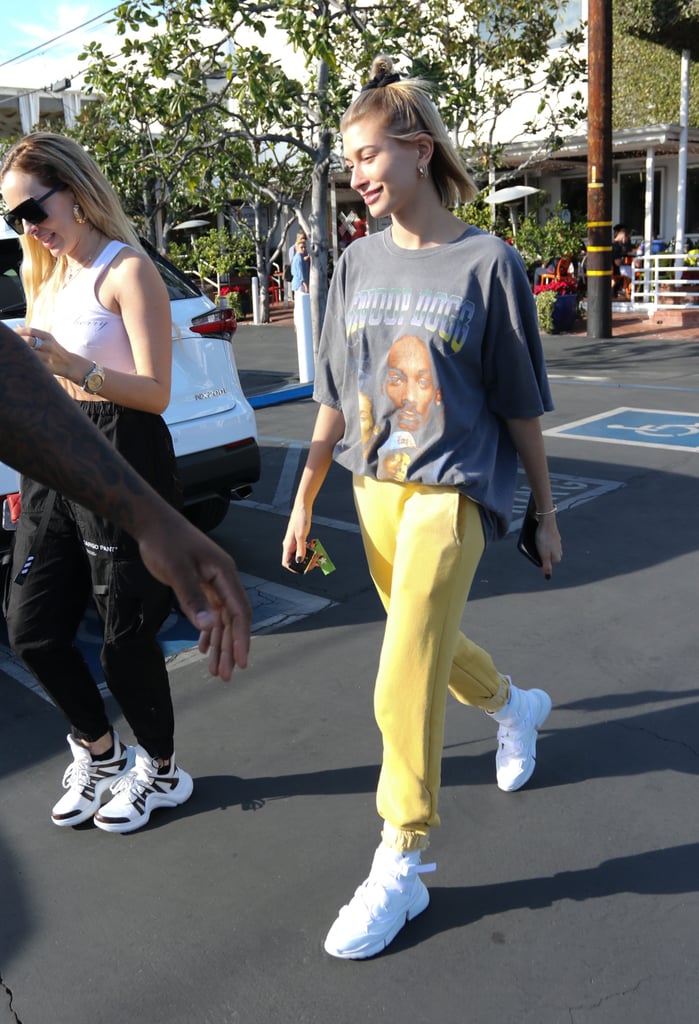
column 510, row 197
column 189, row 225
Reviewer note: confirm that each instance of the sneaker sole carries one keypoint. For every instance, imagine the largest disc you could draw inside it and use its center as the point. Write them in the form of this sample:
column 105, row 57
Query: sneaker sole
column 523, row 779
column 100, row 789
column 153, row 802
column 421, row 903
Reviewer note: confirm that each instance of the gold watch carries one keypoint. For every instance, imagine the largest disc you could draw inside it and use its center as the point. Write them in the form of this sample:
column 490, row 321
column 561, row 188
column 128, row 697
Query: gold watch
column 94, row 379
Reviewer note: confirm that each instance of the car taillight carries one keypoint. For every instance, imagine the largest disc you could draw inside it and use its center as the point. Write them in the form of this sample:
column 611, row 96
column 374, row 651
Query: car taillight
column 216, row 321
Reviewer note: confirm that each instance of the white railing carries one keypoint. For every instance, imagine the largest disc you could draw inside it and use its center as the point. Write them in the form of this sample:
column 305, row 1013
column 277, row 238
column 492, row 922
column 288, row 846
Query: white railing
column 664, row 278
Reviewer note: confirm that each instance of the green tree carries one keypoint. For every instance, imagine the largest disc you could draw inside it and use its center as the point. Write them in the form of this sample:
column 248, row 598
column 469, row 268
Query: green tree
column 483, row 58
column 554, row 238
column 272, row 130
column 646, row 68
column 671, row 23
column 176, row 131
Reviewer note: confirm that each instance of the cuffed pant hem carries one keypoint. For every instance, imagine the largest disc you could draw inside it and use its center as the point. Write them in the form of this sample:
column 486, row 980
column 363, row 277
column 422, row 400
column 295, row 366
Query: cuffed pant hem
column 499, row 698
column 404, row 840
column 82, row 737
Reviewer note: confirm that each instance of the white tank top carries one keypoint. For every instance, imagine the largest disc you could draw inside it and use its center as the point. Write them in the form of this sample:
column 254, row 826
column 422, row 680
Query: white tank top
column 82, row 325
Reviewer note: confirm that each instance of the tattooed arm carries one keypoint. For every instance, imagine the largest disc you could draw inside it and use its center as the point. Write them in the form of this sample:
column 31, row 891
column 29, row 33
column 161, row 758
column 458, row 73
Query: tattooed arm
column 45, row 436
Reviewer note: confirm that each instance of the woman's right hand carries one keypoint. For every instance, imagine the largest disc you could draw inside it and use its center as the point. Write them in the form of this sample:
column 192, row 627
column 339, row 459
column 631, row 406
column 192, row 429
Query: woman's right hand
column 294, row 543
column 329, row 428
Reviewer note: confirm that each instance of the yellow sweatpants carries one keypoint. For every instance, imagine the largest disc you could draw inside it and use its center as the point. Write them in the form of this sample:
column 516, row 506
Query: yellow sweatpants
column 423, row 545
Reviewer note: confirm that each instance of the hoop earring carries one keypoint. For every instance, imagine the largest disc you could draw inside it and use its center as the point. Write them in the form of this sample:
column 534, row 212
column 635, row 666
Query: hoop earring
column 78, row 214
column 423, row 172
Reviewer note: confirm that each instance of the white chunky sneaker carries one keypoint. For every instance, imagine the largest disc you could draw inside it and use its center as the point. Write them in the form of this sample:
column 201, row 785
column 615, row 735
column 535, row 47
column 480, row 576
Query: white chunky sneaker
column 525, row 712
column 140, row 791
column 393, row 894
column 86, row 780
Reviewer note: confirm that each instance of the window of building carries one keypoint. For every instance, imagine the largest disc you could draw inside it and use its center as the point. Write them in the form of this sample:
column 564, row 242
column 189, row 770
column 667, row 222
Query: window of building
column 574, row 197
column 632, row 199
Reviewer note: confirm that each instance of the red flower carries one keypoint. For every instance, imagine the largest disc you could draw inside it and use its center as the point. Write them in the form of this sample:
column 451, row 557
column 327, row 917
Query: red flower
column 560, row 287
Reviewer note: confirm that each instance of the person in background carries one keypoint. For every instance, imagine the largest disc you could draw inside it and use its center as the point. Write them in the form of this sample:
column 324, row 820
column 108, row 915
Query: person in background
column 45, row 435
column 98, row 317
column 622, row 249
column 300, row 236
column 292, row 252
column 300, row 267
column 465, row 301
column 547, row 267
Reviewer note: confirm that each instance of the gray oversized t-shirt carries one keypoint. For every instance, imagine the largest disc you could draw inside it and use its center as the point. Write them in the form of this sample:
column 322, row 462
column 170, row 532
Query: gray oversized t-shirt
column 427, row 352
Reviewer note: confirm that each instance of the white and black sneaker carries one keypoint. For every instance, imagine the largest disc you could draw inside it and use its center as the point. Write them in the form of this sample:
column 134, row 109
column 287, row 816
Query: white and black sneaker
column 141, row 790
column 87, row 780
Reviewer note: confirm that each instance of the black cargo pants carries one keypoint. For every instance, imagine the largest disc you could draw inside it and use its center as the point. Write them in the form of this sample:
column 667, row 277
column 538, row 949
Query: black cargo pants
column 82, row 555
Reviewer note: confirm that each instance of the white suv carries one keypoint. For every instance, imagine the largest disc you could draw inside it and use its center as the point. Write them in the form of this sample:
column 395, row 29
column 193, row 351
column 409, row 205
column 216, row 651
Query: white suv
column 212, row 424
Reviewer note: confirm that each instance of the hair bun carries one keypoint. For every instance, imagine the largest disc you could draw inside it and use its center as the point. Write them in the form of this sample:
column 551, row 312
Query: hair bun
column 381, row 80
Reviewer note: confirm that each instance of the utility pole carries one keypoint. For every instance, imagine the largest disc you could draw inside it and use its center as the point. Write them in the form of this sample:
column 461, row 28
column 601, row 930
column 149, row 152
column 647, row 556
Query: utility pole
column 599, row 171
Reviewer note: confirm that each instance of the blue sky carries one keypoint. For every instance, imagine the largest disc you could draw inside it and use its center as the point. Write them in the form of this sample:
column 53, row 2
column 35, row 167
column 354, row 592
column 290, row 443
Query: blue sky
column 37, row 24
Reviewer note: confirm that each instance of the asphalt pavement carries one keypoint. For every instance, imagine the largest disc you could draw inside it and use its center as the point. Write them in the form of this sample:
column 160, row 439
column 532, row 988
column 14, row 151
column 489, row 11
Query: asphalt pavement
column 574, row 901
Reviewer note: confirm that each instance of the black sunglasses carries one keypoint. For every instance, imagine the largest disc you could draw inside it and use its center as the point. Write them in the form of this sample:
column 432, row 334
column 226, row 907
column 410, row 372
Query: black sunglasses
column 30, row 210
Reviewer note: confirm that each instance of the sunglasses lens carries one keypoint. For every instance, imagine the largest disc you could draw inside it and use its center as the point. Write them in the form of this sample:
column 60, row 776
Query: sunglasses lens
column 29, row 210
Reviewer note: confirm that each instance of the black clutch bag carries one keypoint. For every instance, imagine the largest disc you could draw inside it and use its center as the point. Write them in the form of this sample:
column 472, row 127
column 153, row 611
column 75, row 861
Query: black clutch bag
column 526, row 542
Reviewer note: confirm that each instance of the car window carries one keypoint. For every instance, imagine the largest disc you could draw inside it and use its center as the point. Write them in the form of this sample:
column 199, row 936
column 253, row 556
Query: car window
column 11, row 295
column 178, row 284
column 11, row 292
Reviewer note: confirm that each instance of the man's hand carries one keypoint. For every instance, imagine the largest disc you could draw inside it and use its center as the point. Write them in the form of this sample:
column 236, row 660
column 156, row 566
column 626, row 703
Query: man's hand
column 206, row 582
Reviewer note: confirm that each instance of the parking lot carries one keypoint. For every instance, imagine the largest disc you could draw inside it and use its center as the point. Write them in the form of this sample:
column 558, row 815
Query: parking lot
column 575, row 900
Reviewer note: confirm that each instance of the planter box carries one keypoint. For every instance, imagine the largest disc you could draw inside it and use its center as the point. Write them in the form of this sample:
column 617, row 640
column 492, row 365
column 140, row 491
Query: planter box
column 564, row 313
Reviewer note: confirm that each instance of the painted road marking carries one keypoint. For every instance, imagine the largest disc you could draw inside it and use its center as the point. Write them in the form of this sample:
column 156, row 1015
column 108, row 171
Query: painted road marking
column 273, row 606
column 606, row 382
column 567, row 491
column 284, row 493
column 645, row 427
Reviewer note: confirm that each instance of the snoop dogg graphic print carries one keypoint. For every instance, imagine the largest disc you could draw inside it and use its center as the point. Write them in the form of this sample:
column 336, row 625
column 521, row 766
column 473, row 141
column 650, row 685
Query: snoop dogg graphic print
column 401, row 410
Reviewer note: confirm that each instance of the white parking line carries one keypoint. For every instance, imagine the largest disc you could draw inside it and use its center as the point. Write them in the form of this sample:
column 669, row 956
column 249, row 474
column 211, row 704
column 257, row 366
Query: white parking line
column 576, row 378
column 284, row 492
column 273, row 606
column 283, row 495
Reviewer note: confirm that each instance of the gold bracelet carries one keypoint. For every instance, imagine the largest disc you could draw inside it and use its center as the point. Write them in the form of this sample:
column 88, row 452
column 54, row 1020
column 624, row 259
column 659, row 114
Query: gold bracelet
column 549, row 513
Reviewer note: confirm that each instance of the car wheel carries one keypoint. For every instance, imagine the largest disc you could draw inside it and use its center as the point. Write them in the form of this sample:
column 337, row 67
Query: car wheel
column 207, row 515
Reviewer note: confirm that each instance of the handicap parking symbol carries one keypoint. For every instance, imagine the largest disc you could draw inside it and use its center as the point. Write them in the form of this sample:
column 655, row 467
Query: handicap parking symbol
column 648, row 427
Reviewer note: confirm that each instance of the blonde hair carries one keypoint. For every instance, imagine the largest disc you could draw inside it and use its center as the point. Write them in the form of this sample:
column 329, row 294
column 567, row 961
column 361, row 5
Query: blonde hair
column 405, row 109
column 54, row 160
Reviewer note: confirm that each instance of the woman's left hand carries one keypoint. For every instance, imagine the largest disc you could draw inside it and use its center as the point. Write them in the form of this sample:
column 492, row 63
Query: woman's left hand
column 548, row 544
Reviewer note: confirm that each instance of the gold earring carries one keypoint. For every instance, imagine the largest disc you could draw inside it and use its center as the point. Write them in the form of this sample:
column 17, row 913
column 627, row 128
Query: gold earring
column 78, row 214
column 422, row 171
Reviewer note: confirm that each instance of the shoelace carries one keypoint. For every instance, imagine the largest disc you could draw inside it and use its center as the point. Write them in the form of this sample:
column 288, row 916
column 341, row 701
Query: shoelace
column 76, row 775
column 133, row 782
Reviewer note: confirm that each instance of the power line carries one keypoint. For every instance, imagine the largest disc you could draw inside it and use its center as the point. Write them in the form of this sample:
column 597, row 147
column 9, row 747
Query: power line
column 49, row 42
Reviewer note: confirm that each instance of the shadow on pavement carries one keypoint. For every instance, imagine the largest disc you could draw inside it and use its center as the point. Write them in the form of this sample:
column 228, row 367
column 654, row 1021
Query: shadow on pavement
column 656, row 872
